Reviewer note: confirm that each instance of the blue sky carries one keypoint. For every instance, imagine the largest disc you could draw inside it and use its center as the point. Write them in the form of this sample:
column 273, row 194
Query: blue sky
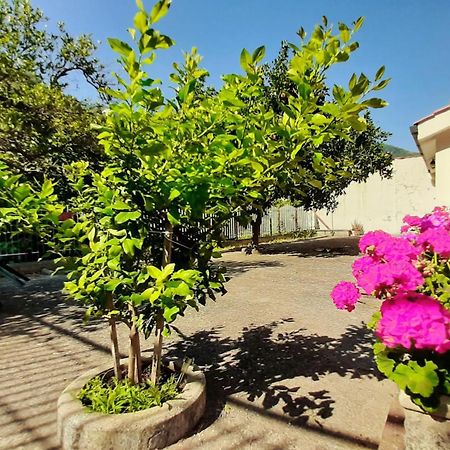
column 409, row 37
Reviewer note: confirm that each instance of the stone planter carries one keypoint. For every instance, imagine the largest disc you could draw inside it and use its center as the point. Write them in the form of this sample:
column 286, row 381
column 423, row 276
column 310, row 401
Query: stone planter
column 158, row 427
column 424, row 431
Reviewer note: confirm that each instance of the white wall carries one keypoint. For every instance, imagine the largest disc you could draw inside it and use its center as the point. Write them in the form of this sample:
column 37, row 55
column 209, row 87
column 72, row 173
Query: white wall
column 382, row 204
column 443, row 175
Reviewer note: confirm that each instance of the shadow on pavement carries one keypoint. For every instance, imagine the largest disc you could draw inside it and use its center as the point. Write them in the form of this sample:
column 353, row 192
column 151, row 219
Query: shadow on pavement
column 260, row 362
column 327, row 247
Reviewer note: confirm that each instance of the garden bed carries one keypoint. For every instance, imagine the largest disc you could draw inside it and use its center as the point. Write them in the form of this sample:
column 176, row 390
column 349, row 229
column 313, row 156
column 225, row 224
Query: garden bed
column 156, row 427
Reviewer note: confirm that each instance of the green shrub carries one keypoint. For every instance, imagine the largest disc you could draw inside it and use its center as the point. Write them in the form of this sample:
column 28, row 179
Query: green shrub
column 117, row 397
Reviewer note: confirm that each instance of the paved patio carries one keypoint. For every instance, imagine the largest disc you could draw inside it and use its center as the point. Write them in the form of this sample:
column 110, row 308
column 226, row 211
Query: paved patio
column 285, row 369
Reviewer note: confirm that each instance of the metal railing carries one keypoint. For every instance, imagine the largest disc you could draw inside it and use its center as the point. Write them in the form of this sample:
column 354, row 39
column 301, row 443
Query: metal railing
column 277, row 221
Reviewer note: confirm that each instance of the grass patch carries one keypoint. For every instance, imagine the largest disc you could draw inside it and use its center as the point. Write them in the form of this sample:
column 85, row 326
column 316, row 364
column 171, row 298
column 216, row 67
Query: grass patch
column 118, row 397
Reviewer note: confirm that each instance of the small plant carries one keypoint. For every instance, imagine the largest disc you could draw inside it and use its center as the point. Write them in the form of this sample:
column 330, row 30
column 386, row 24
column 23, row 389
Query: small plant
column 304, row 234
column 121, row 396
column 410, row 274
column 357, row 229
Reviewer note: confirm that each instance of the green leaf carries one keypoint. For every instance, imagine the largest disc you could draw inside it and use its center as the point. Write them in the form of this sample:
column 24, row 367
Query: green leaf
column 123, row 217
column 258, row 54
column 159, row 10
column 166, row 272
column 111, row 285
column 137, row 299
column 154, row 272
column 316, row 183
column 375, row 103
column 245, row 60
column 140, row 5
column 120, row 47
column 357, row 123
column 385, row 364
column 140, row 21
column 304, row 90
column 120, row 205
column 319, row 119
column 358, row 23
column 381, row 84
column 373, row 322
column 174, row 193
column 380, row 73
column 47, row 188
column 172, row 219
column 128, row 246
column 169, row 313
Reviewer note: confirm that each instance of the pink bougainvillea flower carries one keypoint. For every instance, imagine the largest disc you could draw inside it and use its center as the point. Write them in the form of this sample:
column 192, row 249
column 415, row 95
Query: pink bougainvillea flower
column 345, row 295
column 414, row 320
column 437, row 240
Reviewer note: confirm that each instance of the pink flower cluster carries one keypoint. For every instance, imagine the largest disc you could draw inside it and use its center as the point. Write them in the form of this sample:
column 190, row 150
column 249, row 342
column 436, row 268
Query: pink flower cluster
column 345, row 295
column 438, row 218
column 394, row 269
column 436, row 240
column 389, row 264
column 375, row 276
column 414, row 320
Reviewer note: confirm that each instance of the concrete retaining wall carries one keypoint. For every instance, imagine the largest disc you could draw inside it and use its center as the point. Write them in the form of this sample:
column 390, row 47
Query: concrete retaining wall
column 382, row 204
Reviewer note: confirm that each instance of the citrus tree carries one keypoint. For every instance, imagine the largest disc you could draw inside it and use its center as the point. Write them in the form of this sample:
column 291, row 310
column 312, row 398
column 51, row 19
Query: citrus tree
column 349, row 153
column 147, row 227
column 25, row 209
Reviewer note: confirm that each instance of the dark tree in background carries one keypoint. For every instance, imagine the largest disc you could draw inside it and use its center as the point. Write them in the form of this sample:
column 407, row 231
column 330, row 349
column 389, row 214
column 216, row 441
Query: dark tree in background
column 42, row 128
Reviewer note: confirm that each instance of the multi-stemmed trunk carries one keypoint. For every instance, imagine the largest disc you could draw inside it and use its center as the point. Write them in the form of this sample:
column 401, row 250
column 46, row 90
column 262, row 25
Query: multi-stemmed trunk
column 113, row 335
column 134, row 354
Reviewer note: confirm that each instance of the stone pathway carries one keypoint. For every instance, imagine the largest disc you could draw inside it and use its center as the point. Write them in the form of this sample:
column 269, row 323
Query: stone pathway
column 285, row 369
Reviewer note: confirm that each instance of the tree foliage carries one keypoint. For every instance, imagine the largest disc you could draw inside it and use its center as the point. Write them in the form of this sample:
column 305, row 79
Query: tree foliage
column 146, row 225
column 41, row 127
column 31, row 48
column 149, row 223
column 333, row 163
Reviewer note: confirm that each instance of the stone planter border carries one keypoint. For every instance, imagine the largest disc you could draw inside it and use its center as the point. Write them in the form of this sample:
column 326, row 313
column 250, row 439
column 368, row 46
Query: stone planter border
column 426, row 431
column 158, row 427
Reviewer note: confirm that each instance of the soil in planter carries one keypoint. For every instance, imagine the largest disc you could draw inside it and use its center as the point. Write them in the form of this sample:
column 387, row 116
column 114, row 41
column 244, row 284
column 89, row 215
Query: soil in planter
column 105, row 394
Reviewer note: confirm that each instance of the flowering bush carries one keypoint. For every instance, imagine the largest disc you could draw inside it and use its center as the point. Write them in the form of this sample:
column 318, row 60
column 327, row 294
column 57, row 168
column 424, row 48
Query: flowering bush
column 410, row 274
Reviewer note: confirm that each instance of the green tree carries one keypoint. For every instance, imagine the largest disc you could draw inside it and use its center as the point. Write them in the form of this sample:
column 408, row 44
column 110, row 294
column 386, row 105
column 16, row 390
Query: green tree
column 41, row 127
column 353, row 156
column 149, row 223
column 50, row 56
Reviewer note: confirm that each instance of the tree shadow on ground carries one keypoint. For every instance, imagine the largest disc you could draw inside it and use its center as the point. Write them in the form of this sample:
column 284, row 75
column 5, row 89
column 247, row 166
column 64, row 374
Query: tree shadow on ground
column 235, row 268
column 326, row 248
column 41, row 299
column 261, row 364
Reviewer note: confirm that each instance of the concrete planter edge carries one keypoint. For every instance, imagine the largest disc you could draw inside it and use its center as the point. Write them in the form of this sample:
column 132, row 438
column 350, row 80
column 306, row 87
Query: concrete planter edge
column 80, row 429
column 426, row 431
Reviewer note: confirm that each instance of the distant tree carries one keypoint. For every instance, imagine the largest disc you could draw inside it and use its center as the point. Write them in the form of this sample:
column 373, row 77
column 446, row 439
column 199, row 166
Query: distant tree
column 353, row 157
column 50, row 56
column 41, row 127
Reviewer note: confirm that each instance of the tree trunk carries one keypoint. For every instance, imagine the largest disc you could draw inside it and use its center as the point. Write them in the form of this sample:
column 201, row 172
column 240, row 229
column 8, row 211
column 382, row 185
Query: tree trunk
column 134, row 354
column 113, row 335
column 256, row 230
column 159, row 326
